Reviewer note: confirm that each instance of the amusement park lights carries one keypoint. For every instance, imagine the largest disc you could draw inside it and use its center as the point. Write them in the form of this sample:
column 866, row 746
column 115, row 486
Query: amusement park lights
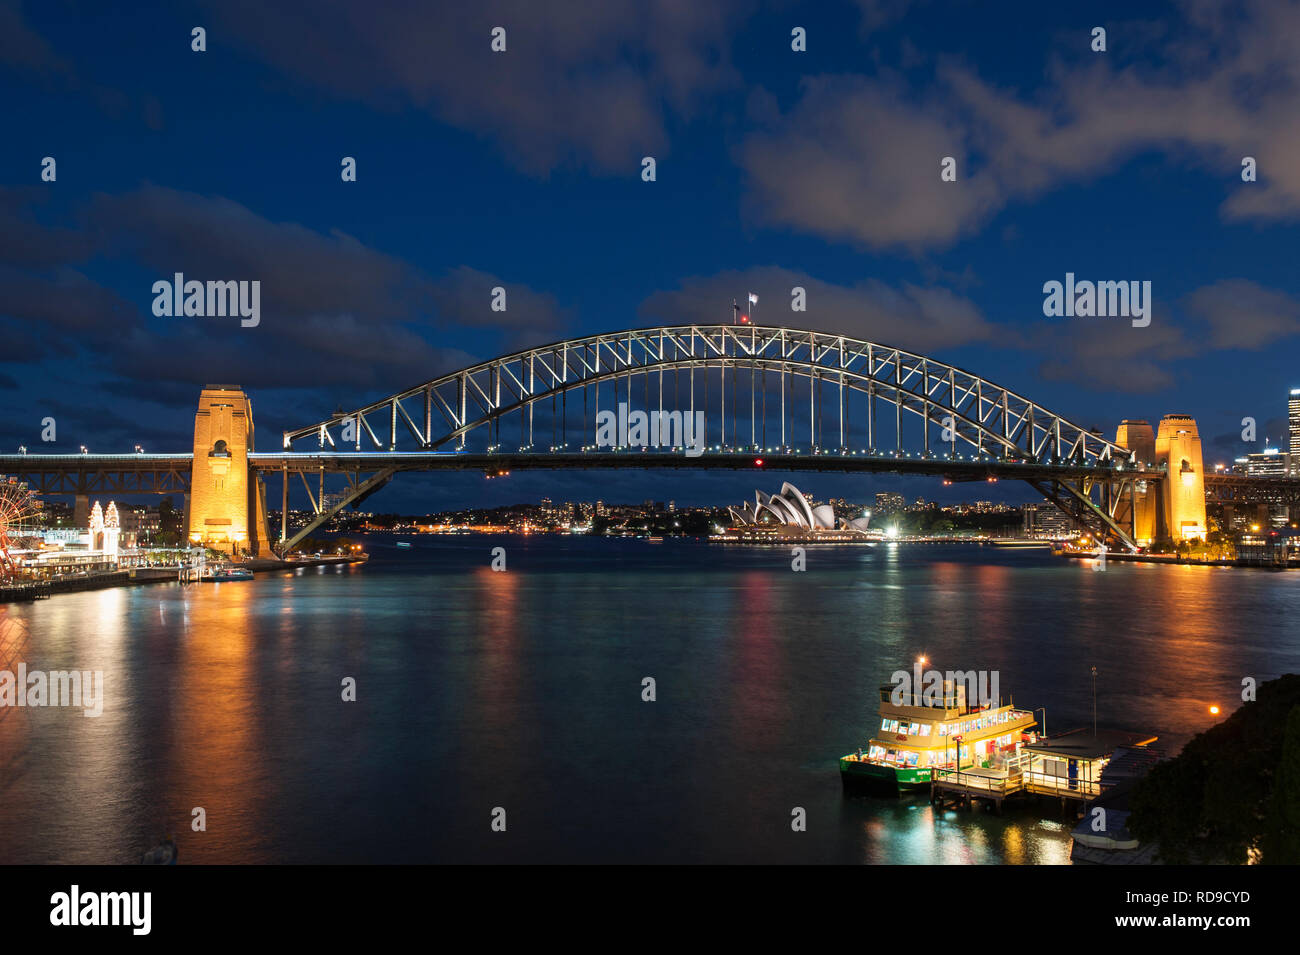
column 17, row 507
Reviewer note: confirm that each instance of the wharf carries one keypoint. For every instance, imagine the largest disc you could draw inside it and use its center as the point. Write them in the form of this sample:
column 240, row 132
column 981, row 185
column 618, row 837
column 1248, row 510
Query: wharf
column 1067, row 767
column 43, row 589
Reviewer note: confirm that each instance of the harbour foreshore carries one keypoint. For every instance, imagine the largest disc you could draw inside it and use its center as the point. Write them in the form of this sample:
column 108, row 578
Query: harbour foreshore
column 38, row 590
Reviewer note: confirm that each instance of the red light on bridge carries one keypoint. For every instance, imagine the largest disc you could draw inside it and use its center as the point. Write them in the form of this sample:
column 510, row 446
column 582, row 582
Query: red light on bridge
column 744, row 319
column 758, row 462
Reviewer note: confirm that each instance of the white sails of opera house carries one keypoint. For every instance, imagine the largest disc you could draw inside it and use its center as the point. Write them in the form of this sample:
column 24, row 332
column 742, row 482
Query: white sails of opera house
column 790, row 510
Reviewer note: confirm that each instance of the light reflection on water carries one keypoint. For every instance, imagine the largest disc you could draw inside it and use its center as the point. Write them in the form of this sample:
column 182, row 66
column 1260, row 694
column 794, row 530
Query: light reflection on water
column 523, row 689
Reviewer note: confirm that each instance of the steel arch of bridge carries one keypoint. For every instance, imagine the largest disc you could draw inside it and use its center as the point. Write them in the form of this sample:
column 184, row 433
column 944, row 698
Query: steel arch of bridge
column 994, row 420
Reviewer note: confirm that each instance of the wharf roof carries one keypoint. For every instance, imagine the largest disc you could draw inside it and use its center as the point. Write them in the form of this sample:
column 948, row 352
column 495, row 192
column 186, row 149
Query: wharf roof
column 1080, row 744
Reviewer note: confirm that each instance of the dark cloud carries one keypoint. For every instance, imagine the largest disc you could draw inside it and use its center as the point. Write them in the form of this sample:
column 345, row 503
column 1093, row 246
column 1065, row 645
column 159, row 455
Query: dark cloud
column 1244, row 314
column 464, row 296
column 858, row 159
column 912, row 317
column 27, row 242
column 584, row 82
column 21, row 47
column 303, row 272
column 334, row 311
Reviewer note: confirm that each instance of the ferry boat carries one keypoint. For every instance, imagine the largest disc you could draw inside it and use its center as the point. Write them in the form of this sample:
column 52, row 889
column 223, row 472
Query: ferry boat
column 946, row 733
column 220, row 574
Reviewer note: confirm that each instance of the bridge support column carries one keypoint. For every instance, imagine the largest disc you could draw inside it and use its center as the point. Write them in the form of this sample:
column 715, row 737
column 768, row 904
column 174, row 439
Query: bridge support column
column 226, row 504
column 1137, row 510
column 81, row 511
column 1178, row 447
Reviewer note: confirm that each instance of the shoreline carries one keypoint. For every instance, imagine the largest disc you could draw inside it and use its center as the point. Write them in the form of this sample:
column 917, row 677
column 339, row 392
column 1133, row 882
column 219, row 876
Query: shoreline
column 142, row 576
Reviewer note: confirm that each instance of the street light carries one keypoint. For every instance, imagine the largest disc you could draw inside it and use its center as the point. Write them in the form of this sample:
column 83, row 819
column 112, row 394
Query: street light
column 1043, row 709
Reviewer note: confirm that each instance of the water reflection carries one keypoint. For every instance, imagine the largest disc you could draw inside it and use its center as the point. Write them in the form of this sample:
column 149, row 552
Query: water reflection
column 479, row 688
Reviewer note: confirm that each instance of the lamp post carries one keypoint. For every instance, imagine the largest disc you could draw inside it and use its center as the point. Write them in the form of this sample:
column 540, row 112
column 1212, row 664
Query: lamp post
column 1043, row 710
column 1094, row 701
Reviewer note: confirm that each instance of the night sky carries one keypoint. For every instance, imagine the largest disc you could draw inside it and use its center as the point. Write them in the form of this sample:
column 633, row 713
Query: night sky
column 522, row 169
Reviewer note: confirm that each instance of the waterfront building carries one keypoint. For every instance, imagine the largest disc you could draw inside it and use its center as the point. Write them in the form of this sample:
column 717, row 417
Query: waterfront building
column 139, row 524
column 792, row 509
column 1270, row 462
column 887, row 502
column 1046, row 521
column 105, row 530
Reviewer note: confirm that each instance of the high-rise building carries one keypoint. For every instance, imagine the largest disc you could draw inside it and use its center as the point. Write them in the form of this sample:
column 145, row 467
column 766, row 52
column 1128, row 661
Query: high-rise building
column 1268, row 463
column 1293, row 415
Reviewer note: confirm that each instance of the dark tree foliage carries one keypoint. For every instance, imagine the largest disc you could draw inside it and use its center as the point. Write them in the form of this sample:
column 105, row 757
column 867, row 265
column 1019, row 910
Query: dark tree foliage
column 1234, row 788
column 1281, row 844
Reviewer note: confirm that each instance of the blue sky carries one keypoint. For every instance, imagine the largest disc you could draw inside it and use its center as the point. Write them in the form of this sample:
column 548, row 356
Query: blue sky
column 522, row 169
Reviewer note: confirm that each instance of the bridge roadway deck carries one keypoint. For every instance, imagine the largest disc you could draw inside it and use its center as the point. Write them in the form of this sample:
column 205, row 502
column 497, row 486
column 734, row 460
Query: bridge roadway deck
column 169, row 473
column 56, row 473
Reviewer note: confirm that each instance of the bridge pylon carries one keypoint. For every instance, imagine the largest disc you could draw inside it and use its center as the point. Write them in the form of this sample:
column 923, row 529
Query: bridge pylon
column 227, row 501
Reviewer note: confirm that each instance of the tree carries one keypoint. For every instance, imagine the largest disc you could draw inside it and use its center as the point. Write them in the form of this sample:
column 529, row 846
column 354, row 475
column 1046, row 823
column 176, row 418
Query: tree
column 1281, row 842
column 1229, row 786
column 169, row 519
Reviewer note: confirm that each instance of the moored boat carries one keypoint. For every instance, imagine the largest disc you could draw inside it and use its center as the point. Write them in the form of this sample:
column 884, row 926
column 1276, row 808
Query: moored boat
column 923, row 733
column 220, row 574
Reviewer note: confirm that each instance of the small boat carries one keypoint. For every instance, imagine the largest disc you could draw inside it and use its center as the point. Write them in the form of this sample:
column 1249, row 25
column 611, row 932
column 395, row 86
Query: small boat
column 403, row 543
column 925, row 732
column 220, row 574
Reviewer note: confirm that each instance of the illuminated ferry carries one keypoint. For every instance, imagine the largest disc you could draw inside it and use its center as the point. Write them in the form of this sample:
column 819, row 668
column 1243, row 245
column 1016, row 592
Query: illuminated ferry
column 938, row 731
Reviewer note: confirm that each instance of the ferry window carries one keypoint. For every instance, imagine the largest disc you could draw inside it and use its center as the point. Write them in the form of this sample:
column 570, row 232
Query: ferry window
column 912, row 758
column 884, row 726
column 925, row 729
column 913, row 729
column 892, row 726
column 876, row 752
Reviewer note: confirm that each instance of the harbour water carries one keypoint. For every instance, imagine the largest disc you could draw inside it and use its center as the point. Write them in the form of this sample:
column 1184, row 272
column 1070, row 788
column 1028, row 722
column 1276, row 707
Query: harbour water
column 523, row 690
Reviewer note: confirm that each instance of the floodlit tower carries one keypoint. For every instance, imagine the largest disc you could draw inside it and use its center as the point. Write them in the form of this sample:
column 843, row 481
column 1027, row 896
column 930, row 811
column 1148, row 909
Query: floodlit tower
column 1178, row 447
column 1137, row 436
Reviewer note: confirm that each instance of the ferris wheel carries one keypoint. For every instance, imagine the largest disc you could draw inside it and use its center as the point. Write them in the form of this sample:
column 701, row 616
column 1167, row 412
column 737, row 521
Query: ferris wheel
column 19, row 508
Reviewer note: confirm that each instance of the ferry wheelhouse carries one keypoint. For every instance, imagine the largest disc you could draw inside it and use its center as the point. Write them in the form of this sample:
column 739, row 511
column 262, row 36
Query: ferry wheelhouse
column 936, row 733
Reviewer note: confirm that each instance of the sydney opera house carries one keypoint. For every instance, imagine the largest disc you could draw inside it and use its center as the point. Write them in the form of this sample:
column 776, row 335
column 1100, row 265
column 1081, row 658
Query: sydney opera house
column 789, row 514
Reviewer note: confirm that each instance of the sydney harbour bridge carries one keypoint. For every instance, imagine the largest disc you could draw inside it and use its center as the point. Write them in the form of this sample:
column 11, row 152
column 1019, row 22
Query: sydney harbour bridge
column 769, row 398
